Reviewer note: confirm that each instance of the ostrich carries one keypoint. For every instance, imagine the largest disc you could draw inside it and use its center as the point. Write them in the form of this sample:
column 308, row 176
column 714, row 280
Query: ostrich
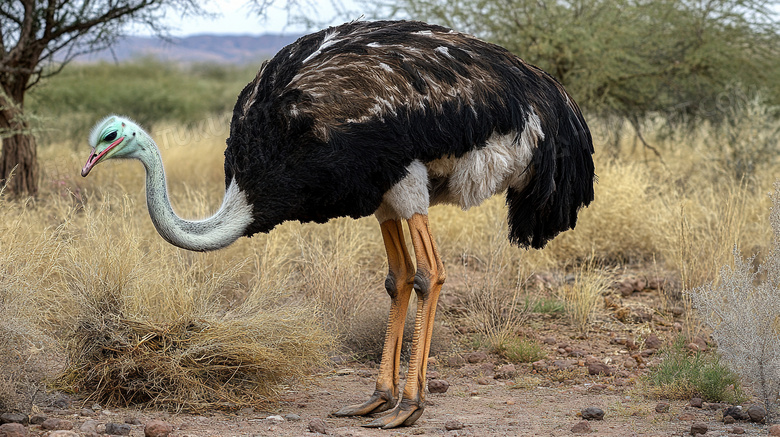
column 385, row 118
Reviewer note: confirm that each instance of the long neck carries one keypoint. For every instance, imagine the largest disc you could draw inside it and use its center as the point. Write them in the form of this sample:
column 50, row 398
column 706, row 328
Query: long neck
column 215, row 232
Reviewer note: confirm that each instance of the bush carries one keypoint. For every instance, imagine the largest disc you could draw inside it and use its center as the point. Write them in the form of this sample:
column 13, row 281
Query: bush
column 683, row 375
column 742, row 310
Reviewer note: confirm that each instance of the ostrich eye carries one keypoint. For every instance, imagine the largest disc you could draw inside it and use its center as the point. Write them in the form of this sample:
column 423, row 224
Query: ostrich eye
column 110, row 137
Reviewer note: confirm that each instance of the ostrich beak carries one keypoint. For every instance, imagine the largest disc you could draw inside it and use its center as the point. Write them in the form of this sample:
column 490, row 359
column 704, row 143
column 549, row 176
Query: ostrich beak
column 95, row 157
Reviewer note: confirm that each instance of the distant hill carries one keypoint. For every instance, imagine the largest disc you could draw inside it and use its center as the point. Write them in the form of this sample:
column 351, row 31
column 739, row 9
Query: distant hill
column 223, row 49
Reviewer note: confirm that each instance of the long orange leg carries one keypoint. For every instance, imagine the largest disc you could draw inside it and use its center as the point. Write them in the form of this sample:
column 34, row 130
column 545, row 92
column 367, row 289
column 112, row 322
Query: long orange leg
column 399, row 286
column 427, row 283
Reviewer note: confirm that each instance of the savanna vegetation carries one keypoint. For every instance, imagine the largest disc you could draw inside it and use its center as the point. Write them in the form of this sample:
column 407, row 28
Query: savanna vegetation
column 93, row 301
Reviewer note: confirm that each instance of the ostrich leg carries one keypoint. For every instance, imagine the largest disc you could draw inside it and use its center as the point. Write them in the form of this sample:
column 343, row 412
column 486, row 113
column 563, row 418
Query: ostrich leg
column 427, row 283
column 399, row 286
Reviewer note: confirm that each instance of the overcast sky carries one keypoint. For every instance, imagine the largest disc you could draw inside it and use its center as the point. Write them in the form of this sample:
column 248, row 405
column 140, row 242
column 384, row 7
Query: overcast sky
column 235, row 17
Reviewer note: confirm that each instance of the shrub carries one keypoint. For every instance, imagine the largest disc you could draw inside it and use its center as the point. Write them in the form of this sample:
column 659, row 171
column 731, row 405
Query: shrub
column 743, row 311
column 682, row 375
column 519, row 350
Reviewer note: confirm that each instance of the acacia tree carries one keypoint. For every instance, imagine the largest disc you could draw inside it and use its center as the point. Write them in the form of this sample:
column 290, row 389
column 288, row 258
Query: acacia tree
column 37, row 39
column 627, row 58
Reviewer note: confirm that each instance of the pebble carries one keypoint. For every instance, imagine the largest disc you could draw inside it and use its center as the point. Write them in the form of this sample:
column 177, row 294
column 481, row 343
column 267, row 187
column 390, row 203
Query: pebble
column 317, row 426
column 453, row 424
column 476, row 357
column 57, row 424
column 37, row 419
column 62, row 433
column 13, row 430
column 275, row 418
column 599, row 368
column 696, row 402
column 133, row 421
column 157, row 428
column 581, row 427
column 438, row 386
column 484, row 381
column 593, row 413
column 292, row 417
column 90, row 426
column 118, row 428
column 455, row 361
column 662, row 407
column 757, row 413
column 736, row 412
column 774, row 430
column 737, row 430
column 728, row 420
column 653, row 342
column 86, row 412
column 13, row 418
column 699, row 428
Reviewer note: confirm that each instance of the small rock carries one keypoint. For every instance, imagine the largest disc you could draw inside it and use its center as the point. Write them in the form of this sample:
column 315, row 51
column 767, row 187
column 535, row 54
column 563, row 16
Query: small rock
column 737, row 430
column 453, row 424
column 438, row 386
column 56, row 424
column 455, row 361
column 700, row 342
column 275, row 418
column 549, row 340
column 507, row 371
column 699, row 428
column 484, row 381
column 317, row 425
column 757, row 413
column 133, row 421
column 157, row 428
column 686, row 417
column 37, row 419
column 476, row 357
column 12, row 429
column 292, row 417
column 118, row 428
column 662, row 407
column 653, row 342
column 774, row 430
column 581, row 428
column 86, row 412
column 563, row 364
column 599, row 368
column 432, row 374
column 728, row 420
column 62, row 401
column 62, row 433
column 696, row 402
column 90, row 426
column 14, row 418
column 693, row 347
column 736, row 412
column 593, row 413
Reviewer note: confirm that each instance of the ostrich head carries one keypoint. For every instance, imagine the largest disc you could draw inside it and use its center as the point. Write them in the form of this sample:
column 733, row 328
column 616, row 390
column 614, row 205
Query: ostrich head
column 113, row 137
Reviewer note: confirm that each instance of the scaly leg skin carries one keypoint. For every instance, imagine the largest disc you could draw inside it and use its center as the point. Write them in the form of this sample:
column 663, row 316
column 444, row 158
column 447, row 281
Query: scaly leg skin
column 399, row 284
column 427, row 283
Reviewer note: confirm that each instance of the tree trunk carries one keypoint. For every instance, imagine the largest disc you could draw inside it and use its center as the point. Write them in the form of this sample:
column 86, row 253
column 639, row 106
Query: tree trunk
column 19, row 152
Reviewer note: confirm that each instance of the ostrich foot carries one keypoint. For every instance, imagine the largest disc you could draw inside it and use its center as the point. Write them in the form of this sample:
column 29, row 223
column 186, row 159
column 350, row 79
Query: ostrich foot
column 378, row 402
column 405, row 414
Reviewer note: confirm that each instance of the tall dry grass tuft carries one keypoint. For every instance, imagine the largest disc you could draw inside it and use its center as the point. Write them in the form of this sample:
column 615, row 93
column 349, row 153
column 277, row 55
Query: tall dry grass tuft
column 581, row 297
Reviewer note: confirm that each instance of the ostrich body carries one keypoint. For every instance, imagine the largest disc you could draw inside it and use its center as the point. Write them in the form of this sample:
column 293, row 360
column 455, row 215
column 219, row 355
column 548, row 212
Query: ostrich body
column 386, row 118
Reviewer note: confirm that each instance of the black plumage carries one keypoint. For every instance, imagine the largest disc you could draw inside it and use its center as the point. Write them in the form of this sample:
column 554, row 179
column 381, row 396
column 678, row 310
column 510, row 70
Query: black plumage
column 334, row 120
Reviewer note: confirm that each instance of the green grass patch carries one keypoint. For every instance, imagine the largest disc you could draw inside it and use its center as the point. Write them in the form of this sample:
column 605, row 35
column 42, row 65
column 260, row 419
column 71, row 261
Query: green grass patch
column 683, row 375
column 546, row 305
column 520, row 350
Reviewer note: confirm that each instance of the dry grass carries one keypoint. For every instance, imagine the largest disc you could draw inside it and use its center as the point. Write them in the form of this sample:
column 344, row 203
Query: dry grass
column 84, row 262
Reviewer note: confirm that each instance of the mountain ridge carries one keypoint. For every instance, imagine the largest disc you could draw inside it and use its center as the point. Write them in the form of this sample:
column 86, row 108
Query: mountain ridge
column 201, row 48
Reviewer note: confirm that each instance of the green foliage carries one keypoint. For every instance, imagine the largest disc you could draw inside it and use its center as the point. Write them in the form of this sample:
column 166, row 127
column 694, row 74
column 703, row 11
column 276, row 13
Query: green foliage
column 683, row 375
column 520, row 350
column 626, row 57
column 546, row 306
column 147, row 91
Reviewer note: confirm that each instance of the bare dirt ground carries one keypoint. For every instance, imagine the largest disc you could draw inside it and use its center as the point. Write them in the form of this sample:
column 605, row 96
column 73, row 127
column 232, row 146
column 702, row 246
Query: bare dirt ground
column 496, row 409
